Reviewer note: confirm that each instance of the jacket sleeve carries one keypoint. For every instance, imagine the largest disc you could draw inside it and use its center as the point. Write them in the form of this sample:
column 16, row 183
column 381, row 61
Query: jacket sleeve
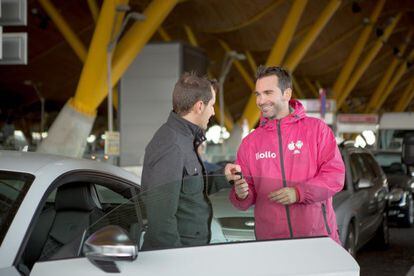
column 162, row 180
column 330, row 175
column 242, row 160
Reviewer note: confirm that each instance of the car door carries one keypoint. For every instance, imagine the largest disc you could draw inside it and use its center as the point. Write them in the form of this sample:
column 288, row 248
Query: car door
column 362, row 198
column 370, row 213
column 68, row 216
column 379, row 191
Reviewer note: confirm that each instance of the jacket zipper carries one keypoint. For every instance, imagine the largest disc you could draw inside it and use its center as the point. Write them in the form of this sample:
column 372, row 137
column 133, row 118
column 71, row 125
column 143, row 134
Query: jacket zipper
column 279, row 132
column 324, row 218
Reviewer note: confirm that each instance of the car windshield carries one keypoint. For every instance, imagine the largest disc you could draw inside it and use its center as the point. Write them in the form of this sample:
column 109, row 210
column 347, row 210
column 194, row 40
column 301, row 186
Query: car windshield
column 13, row 188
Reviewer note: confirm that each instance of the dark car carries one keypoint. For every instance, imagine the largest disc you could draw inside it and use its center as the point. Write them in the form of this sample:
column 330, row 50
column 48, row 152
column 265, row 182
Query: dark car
column 401, row 183
column 361, row 206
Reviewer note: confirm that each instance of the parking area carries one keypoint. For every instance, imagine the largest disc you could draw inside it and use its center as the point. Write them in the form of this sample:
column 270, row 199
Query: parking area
column 397, row 260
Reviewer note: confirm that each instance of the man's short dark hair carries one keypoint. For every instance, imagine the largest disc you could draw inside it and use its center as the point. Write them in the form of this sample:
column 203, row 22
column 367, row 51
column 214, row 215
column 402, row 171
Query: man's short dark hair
column 283, row 76
column 188, row 90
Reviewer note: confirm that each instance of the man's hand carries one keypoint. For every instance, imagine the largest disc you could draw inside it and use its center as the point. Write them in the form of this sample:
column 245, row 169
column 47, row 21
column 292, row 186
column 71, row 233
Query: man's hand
column 233, row 173
column 284, row 196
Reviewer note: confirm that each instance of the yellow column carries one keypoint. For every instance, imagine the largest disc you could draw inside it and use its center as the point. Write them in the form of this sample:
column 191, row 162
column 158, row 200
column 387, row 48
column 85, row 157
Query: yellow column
column 367, row 61
column 357, row 50
column 278, row 51
column 85, row 99
column 374, row 102
column 299, row 52
column 406, row 98
column 64, row 28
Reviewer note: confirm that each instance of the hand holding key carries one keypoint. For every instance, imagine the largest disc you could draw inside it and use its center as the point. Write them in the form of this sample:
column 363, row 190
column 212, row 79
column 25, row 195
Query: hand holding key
column 235, row 177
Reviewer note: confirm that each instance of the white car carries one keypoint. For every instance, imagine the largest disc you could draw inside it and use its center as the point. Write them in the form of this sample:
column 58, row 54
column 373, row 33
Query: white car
column 62, row 216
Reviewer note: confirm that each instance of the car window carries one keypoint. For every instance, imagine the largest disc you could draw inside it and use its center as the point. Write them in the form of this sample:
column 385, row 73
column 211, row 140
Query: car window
column 356, row 169
column 373, row 165
column 13, row 188
column 76, row 210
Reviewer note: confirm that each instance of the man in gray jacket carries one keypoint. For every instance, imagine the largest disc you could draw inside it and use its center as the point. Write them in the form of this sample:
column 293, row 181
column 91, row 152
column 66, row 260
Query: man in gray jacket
column 173, row 178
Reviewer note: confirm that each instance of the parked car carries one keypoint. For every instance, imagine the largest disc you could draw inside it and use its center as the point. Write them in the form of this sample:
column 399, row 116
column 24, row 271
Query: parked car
column 62, row 216
column 401, row 183
column 360, row 207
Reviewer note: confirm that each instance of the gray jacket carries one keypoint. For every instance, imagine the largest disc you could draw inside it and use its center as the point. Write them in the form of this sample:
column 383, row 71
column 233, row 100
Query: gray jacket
column 174, row 187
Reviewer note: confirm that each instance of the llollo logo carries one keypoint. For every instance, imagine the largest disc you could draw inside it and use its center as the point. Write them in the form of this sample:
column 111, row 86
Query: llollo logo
column 265, row 155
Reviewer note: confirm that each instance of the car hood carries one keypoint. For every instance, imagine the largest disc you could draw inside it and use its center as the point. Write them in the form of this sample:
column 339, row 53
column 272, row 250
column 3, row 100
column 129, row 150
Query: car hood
column 339, row 198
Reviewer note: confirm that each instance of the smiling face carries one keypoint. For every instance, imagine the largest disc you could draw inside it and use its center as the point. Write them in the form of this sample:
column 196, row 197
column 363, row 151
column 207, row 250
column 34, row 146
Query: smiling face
column 272, row 102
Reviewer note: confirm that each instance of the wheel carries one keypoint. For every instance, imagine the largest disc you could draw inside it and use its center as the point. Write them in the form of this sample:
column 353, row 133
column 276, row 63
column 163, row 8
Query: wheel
column 409, row 218
column 382, row 236
column 350, row 245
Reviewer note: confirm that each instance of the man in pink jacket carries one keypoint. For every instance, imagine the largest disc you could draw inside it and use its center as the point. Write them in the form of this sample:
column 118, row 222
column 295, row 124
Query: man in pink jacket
column 291, row 166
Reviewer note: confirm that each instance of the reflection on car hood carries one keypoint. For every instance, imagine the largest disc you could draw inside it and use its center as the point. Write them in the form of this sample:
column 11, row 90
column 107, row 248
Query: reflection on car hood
column 223, row 208
column 398, row 181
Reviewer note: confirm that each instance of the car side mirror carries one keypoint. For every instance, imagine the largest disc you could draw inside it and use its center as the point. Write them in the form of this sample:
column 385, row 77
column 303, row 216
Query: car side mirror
column 107, row 245
column 408, row 149
column 364, row 183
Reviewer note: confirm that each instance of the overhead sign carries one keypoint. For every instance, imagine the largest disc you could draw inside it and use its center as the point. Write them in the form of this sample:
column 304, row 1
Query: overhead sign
column 358, row 118
column 112, row 143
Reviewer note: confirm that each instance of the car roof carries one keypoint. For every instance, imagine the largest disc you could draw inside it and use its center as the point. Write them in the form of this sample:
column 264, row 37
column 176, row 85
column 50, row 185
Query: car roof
column 35, row 163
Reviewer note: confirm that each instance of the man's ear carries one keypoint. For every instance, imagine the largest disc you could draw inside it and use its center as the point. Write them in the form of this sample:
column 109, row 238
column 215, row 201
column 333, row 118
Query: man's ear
column 287, row 94
column 198, row 107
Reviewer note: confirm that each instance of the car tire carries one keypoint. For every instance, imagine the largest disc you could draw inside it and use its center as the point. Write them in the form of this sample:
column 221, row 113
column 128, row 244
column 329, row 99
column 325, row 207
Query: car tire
column 350, row 242
column 382, row 236
column 409, row 217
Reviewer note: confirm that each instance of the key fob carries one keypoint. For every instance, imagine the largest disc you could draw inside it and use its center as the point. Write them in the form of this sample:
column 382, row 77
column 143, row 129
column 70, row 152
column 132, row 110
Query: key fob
column 237, row 173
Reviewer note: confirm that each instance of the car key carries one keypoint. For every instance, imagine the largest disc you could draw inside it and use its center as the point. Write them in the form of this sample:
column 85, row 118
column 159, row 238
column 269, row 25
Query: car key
column 237, row 173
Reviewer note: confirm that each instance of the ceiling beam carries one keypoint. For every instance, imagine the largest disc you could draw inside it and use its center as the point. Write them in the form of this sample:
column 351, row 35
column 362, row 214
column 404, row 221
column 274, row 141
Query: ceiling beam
column 190, row 35
column 251, row 112
column 406, row 98
column 279, row 49
column 297, row 89
column 273, row 5
column 164, row 35
column 375, row 103
column 356, row 51
column 64, row 28
column 93, row 6
column 251, row 61
column 338, row 40
column 302, row 48
column 369, row 57
column 395, row 80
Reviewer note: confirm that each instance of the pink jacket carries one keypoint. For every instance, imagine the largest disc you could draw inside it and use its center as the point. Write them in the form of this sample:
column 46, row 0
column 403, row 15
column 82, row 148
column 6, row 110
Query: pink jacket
column 296, row 151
